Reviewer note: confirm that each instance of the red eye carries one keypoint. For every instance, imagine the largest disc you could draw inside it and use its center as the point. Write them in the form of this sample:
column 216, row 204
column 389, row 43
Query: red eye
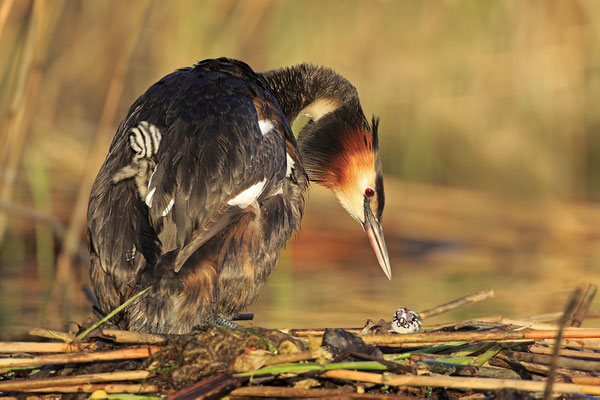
column 369, row 192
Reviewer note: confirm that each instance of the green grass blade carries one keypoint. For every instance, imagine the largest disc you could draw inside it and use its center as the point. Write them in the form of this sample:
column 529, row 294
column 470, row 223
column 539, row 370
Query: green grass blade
column 432, row 349
column 266, row 341
column 474, row 348
column 298, row 368
column 109, row 316
column 485, row 357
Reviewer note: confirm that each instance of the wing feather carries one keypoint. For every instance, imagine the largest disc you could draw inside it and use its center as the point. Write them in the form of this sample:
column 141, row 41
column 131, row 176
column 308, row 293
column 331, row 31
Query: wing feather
column 211, row 149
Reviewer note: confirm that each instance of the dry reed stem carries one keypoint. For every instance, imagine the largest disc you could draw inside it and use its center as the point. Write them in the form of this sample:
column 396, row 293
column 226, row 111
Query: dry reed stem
column 476, row 336
column 563, row 374
column 535, row 325
column 576, row 343
column 538, row 349
column 43, row 21
column 4, row 13
column 20, row 385
column 574, row 300
column 120, row 336
column 555, row 316
column 90, row 388
column 278, row 392
column 475, row 396
column 15, row 131
column 496, row 319
column 564, row 362
column 67, row 358
column 436, row 367
column 459, row 382
column 96, row 154
column 472, row 298
column 584, row 305
column 290, row 358
column 583, row 380
column 209, row 388
column 305, row 332
column 27, row 347
column 52, row 334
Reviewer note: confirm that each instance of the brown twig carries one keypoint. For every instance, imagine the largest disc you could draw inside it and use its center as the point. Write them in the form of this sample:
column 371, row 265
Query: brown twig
column 52, row 334
column 279, row 392
column 474, row 396
column 477, row 336
column 555, row 316
column 211, row 388
column 495, row 319
column 565, row 353
column 564, row 362
column 305, row 332
column 119, row 336
column 290, row 358
column 27, row 347
column 584, row 305
column 459, row 382
column 575, row 343
column 90, row 388
column 122, row 354
column 563, row 374
column 472, row 298
column 466, row 370
column 574, row 299
column 20, row 385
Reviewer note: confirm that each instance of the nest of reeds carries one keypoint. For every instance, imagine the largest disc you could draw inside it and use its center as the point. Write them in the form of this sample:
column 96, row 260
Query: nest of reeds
column 481, row 358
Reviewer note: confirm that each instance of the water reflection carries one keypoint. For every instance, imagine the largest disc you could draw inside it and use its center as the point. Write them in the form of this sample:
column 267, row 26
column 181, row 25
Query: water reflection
column 329, row 277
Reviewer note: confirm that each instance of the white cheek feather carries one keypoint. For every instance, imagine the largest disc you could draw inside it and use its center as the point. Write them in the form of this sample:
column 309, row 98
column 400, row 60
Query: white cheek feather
column 290, row 165
column 265, row 126
column 248, row 196
column 353, row 205
column 352, row 197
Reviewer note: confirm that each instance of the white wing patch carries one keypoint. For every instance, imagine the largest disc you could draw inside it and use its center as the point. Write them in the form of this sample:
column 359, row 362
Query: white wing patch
column 150, row 194
column 168, row 208
column 265, row 126
column 290, row 166
column 248, row 196
column 149, row 197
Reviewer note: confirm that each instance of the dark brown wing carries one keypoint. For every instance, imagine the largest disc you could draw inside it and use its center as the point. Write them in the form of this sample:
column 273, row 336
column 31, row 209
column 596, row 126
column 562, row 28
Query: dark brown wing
column 212, row 150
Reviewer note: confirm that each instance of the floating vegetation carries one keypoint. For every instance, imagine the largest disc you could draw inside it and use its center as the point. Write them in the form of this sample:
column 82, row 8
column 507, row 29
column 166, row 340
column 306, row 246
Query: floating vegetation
column 479, row 358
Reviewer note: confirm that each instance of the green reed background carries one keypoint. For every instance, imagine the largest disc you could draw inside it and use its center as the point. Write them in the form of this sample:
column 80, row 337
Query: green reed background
column 500, row 96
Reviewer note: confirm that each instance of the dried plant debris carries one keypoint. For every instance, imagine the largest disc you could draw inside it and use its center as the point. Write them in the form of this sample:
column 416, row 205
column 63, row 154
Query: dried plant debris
column 475, row 359
column 190, row 358
column 339, row 342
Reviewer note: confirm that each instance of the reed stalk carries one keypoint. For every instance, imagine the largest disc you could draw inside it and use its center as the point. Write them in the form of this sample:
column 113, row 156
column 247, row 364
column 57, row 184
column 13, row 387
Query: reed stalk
column 460, row 382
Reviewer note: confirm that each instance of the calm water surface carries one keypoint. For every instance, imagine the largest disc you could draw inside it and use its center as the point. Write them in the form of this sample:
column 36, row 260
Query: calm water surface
column 328, row 276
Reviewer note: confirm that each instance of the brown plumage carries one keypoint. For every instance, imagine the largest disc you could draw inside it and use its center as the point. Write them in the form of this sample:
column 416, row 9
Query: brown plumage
column 201, row 214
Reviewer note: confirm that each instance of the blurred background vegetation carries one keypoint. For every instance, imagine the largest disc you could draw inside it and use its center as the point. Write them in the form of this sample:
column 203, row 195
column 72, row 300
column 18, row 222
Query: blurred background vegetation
column 489, row 120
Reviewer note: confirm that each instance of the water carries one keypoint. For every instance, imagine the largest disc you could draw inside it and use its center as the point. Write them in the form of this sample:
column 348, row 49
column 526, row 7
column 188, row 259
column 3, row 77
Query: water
column 329, row 277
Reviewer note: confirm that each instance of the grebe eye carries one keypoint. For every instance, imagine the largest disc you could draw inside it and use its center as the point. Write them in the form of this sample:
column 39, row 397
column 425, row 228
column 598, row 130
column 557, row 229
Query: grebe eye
column 369, row 192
